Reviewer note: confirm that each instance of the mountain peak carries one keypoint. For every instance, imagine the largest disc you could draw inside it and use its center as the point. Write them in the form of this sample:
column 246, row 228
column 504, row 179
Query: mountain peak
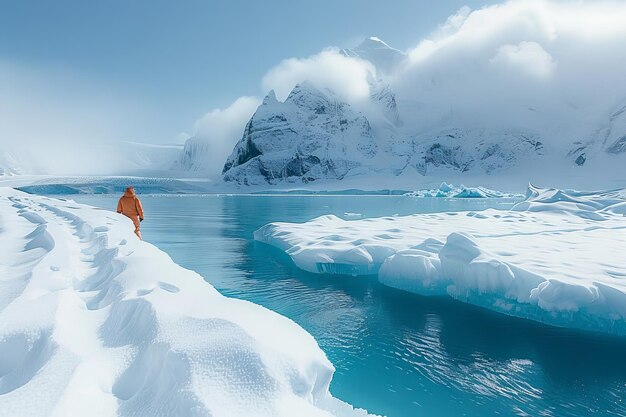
column 304, row 91
column 385, row 58
column 371, row 43
column 270, row 98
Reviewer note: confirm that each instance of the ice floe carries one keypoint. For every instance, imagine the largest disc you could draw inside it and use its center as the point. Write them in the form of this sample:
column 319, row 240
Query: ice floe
column 95, row 322
column 556, row 257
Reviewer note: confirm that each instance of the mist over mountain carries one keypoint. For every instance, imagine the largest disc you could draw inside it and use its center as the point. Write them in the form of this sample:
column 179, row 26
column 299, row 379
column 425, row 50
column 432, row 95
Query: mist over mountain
column 531, row 90
column 520, row 89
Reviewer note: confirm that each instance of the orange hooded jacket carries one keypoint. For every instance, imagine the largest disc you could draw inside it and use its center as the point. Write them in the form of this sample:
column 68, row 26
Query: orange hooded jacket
column 129, row 205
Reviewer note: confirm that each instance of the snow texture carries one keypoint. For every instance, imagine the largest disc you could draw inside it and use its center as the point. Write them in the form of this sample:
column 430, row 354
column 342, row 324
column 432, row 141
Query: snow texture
column 95, row 322
column 557, row 257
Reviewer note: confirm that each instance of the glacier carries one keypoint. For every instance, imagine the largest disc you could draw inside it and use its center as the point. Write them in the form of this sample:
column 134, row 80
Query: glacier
column 556, row 257
column 51, row 185
column 95, row 322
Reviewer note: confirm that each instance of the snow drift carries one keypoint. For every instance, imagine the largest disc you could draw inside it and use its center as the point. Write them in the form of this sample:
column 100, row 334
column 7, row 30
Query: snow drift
column 556, row 257
column 95, row 322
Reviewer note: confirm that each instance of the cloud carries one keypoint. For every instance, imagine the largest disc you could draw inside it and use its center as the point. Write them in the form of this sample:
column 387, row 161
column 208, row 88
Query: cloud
column 547, row 64
column 220, row 129
column 346, row 76
column 56, row 121
column 529, row 57
column 563, row 60
column 554, row 65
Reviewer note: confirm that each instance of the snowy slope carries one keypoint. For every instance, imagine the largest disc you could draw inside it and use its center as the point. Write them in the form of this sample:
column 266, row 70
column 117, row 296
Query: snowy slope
column 9, row 164
column 195, row 155
column 95, row 322
column 15, row 161
column 608, row 139
column 147, row 157
column 557, row 257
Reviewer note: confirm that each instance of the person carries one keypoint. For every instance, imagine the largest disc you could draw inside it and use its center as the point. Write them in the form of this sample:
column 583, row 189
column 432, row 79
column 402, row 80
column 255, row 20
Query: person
column 130, row 206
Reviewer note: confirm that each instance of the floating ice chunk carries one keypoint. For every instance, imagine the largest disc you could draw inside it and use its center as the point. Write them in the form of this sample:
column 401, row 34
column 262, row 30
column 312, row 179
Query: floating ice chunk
column 445, row 188
column 557, row 257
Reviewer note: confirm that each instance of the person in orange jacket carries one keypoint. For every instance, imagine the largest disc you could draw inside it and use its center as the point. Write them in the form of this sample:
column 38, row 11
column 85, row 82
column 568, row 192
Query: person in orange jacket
column 130, row 206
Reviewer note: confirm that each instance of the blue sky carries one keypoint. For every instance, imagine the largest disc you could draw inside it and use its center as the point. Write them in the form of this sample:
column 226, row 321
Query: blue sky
column 177, row 60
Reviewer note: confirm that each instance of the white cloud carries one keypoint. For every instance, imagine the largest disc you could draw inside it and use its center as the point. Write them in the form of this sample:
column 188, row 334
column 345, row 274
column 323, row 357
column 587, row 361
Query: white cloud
column 565, row 59
column 529, row 57
column 56, row 121
column 220, row 129
column 347, row 77
column 553, row 65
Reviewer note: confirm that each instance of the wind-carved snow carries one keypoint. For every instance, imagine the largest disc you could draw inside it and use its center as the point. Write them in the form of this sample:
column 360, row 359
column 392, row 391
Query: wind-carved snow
column 556, row 257
column 95, row 322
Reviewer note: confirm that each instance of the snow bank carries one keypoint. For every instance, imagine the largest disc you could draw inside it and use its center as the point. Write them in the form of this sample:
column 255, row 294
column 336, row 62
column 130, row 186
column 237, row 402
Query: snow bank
column 95, row 322
column 451, row 191
column 557, row 257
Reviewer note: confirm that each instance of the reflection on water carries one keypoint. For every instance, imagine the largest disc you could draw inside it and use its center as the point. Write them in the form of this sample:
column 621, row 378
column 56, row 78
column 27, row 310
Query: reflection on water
column 396, row 353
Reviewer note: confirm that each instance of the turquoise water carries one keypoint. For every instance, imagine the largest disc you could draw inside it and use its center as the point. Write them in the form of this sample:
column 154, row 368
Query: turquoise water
column 396, row 354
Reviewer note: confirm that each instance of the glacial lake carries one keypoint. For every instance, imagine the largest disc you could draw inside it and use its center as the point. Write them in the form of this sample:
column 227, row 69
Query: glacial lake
column 396, row 354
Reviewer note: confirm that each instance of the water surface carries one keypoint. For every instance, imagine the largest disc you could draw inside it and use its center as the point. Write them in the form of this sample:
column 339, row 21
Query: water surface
column 396, row 354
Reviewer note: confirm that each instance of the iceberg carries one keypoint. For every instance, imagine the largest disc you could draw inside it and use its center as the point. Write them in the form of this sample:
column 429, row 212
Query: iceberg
column 95, row 322
column 450, row 191
column 556, row 257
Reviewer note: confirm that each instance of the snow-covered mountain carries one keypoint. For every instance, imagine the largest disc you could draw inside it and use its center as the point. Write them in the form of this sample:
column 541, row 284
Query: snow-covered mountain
column 467, row 150
column 9, row 164
column 312, row 135
column 315, row 135
column 609, row 138
column 194, row 156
